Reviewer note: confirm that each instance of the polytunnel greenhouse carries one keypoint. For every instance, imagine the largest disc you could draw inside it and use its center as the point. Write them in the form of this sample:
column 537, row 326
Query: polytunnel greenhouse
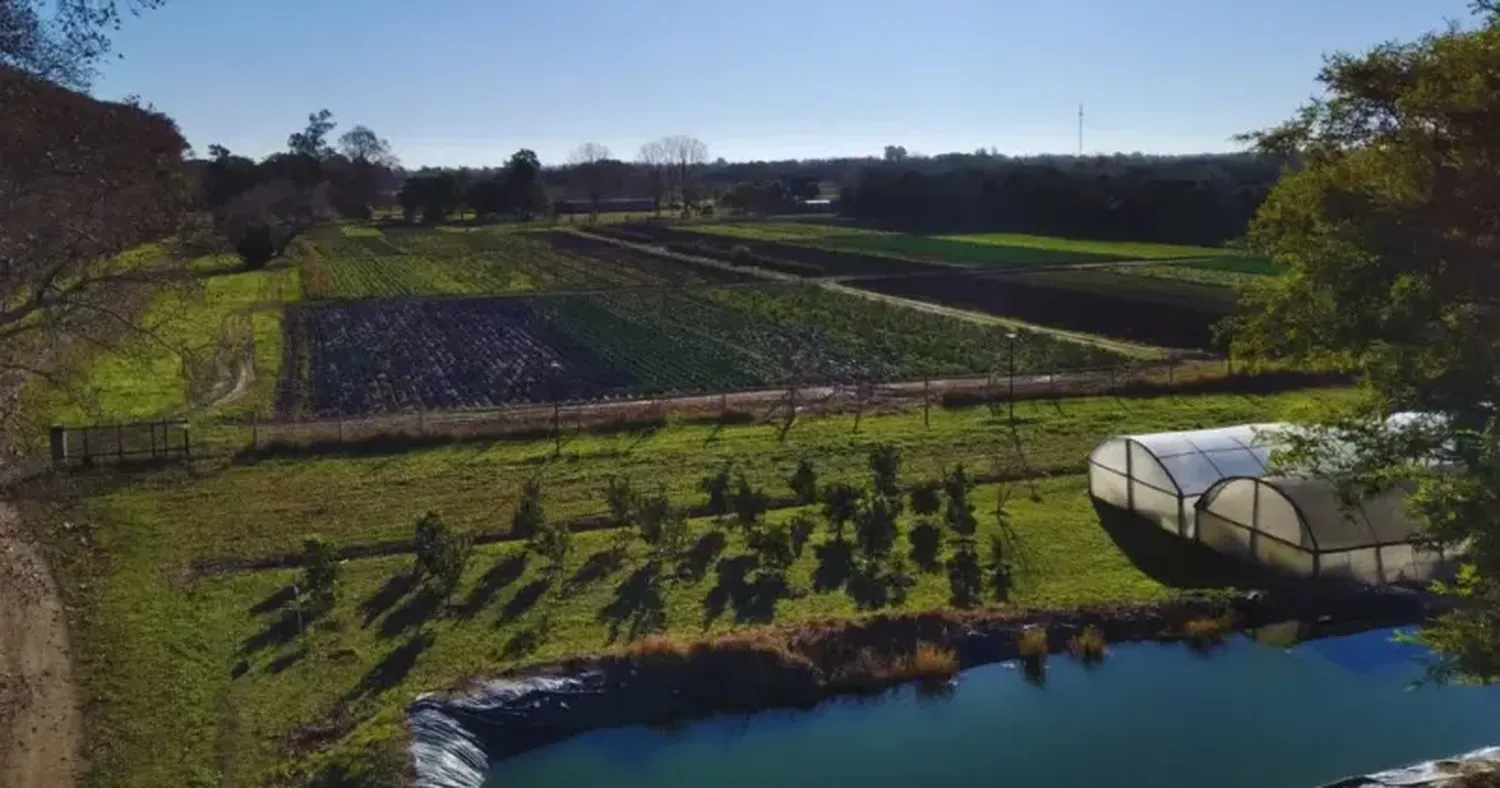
column 1160, row 476
column 1302, row 527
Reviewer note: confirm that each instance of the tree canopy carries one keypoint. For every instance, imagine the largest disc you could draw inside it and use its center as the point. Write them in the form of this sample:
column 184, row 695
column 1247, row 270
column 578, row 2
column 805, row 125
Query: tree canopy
column 1389, row 234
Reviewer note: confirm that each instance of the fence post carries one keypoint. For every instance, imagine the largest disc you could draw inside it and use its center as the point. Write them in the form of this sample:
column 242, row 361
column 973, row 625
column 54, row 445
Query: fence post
column 59, row 440
column 926, row 404
column 254, row 433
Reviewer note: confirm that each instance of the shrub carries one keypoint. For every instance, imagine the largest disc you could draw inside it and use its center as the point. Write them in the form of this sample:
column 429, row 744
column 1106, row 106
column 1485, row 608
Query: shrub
column 885, row 468
column 959, row 512
column 804, row 483
column 926, row 541
column 1207, row 631
column 926, row 498
column 1032, row 643
column 801, row 527
column 840, row 504
column 621, row 499
column 551, row 541
column 875, row 528
column 964, row 576
column 1088, row 645
column 749, row 504
column 1000, row 566
column 529, row 516
column 773, row 544
column 441, row 554
column 742, row 256
column 930, row 662
column 320, row 575
column 662, row 526
column 717, row 489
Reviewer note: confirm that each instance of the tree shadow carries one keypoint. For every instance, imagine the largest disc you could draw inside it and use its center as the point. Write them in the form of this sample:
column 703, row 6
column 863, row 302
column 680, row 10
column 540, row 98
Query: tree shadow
column 285, row 661
column 638, row 605
column 868, row 589
column 525, row 599
column 926, row 544
column 703, row 552
column 1173, row 561
column 498, row 576
column 732, row 586
column 280, row 631
column 835, row 565
column 278, row 599
column 385, row 597
column 393, row 668
column 598, row 566
column 417, row 609
column 522, row 643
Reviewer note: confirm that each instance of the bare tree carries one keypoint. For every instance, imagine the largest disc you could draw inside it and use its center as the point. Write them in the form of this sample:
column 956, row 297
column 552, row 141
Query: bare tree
column 684, row 157
column 64, row 45
column 81, row 183
column 653, row 158
column 590, row 165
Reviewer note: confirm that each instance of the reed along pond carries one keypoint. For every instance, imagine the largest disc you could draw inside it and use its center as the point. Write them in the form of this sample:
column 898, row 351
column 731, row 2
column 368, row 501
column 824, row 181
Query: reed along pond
column 1252, row 712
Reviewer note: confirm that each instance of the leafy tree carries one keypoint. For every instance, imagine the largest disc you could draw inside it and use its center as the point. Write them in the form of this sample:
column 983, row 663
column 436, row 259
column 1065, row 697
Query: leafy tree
column 1387, row 233
column 441, row 554
column 804, row 482
column 958, row 513
column 749, row 504
column 716, row 486
column 965, row 576
column 529, row 517
column 524, row 194
column 320, row 575
column 622, row 501
column 840, row 505
column 926, row 542
column 801, row 527
column 773, row 545
column 64, row 46
column 362, row 143
column 312, row 141
column 885, row 467
column 663, row 526
column 875, row 528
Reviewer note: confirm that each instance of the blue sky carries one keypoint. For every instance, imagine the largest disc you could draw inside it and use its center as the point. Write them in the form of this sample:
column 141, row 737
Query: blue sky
column 454, row 82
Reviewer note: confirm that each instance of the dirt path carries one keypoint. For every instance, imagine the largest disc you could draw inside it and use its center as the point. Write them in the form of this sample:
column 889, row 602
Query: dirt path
column 40, row 722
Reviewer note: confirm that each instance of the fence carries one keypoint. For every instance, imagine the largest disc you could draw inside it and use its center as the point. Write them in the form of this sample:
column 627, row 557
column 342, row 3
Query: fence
column 121, row 443
column 780, row 405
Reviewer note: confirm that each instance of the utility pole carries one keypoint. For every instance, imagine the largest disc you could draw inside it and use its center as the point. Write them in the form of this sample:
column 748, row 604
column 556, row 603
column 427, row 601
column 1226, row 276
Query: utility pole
column 1080, row 131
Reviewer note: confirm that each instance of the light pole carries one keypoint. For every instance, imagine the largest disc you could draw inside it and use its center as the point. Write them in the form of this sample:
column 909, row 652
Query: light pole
column 1010, row 337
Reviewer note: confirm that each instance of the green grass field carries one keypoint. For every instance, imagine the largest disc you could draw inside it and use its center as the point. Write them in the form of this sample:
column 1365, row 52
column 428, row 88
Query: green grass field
column 1231, row 271
column 979, row 249
column 240, row 679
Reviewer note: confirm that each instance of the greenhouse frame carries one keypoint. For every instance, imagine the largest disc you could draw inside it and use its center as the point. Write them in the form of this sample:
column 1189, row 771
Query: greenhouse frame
column 1160, row 476
column 1303, row 527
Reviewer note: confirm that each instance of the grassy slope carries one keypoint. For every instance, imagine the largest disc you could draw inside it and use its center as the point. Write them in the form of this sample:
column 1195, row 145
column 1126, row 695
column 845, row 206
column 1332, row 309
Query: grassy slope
column 145, row 380
column 157, row 649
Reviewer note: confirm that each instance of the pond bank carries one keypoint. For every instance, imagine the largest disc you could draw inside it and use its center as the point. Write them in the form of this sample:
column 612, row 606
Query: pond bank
column 456, row 735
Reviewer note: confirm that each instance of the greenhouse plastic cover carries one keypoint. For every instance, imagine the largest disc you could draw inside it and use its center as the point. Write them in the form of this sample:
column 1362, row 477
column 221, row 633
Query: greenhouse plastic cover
column 1195, row 459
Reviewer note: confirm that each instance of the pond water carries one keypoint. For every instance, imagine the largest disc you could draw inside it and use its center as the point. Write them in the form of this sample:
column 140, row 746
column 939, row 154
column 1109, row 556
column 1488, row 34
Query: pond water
column 1247, row 714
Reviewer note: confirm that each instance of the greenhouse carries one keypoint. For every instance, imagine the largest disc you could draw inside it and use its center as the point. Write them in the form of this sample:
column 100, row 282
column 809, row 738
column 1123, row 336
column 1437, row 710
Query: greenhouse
column 1160, row 476
column 1303, row 527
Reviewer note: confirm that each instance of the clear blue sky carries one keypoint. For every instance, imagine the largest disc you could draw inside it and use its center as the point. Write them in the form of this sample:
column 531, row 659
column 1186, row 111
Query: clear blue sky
column 453, row 82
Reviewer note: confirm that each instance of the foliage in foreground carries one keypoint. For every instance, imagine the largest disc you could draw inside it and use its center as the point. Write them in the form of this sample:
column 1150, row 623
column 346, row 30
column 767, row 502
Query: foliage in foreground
column 1390, row 270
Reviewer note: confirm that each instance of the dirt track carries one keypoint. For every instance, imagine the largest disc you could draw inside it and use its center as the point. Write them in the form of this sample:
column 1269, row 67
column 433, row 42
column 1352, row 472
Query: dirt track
column 40, row 722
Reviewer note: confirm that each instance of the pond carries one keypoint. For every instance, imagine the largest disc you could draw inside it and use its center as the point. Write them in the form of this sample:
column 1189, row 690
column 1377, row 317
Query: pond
column 1250, row 713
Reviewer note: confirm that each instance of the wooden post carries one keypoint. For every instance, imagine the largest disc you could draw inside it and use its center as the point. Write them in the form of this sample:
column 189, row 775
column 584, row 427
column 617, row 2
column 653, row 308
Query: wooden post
column 187, row 445
column 926, row 404
column 59, row 440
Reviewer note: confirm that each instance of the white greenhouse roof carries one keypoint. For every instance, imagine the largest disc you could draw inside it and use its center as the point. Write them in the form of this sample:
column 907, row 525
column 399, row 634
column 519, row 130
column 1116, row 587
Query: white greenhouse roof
column 1190, row 461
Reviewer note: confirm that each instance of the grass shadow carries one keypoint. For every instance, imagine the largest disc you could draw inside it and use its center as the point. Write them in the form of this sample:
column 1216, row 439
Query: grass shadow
column 835, row 565
column 385, row 597
column 285, row 661
column 1172, row 560
column 703, row 552
column 393, row 668
column 417, row 609
column 598, row 566
column 638, row 606
column 498, row 576
column 525, row 599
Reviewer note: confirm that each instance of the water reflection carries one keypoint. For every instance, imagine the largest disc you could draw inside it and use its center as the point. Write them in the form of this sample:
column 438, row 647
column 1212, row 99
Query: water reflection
column 1271, row 709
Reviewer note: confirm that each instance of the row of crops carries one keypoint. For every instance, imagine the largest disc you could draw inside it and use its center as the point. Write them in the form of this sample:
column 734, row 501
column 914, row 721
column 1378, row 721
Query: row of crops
column 364, row 262
column 400, row 355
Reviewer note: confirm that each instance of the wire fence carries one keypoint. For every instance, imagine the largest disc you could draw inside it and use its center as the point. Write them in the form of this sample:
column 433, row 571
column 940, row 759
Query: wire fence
column 120, row 443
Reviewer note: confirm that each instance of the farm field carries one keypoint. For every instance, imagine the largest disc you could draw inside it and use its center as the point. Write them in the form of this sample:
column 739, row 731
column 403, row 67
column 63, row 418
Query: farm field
column 357, row 261
column 1219, row 272
column 390, row 356
column 976, row 249
column 244, row 680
